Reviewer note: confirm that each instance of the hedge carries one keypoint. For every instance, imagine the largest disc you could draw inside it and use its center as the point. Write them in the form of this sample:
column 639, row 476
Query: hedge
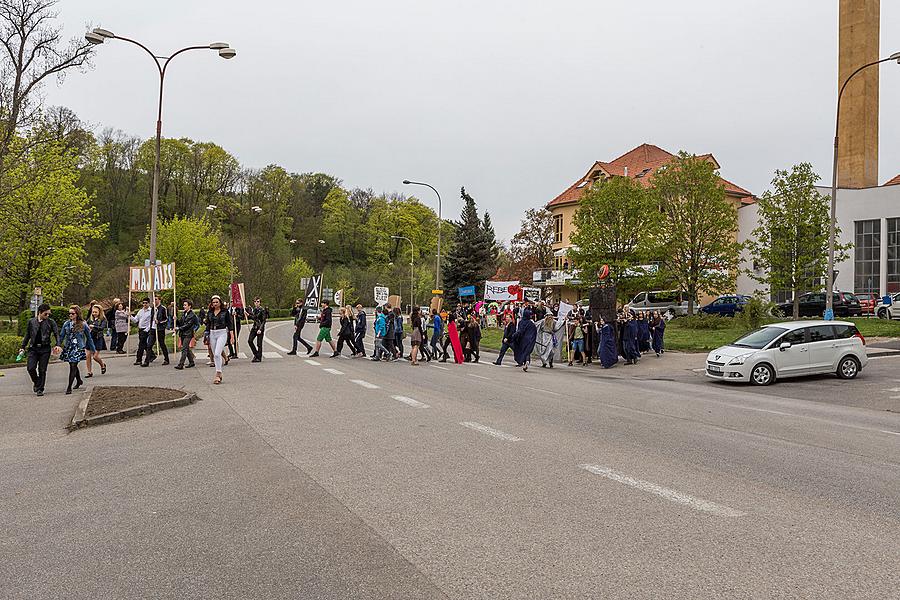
column 9, row 347
column 60, row 314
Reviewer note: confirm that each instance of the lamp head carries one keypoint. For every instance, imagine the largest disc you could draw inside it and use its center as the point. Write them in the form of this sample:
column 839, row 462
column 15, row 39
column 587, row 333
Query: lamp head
column 895, row 56
column 227, row 53
column 93, row 38
column 104, row 33
column 406, row 182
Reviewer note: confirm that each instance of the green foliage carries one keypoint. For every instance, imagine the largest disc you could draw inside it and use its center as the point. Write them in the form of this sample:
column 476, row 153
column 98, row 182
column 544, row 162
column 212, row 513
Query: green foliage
column 756, row 311
column 202, row 263
column 705, row 321
column 9, row 347
column 473, row 256
column 46, row 221
column 57, row 313
column 790, row 244
column 294, row 273
column 698, row 226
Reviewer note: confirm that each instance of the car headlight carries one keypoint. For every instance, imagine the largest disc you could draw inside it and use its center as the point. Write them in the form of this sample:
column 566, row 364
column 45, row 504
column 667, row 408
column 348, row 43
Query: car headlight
column 739, row 360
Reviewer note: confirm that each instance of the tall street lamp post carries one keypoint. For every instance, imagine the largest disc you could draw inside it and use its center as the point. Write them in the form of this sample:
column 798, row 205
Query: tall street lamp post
column 412, row 254
column 437, row 266
column 829, row 276
column 98, row 36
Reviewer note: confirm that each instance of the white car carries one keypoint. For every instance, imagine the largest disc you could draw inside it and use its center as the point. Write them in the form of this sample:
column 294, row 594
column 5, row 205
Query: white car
column 889, row 311
column 790, row 349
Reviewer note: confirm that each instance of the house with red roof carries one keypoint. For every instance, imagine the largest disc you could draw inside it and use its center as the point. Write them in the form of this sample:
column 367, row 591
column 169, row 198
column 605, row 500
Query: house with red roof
column 640, row 164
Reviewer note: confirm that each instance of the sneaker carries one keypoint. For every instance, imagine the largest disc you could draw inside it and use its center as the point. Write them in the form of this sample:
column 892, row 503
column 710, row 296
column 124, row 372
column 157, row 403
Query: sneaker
column 137, row 363
column 314, row 354
column 335, row 355
column 292, row 353
column 179, row 367
column 190, row 366
column 166, row 362
column 255, row 360
column 40, row 392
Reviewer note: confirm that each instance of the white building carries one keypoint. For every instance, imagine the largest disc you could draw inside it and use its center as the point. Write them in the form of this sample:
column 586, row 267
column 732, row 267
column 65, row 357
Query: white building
column 869, row 220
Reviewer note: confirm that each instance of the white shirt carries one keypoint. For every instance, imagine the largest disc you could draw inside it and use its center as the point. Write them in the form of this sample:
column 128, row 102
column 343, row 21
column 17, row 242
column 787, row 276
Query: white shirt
column 144, row 319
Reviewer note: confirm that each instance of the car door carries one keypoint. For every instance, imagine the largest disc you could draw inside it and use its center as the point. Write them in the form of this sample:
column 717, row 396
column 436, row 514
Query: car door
column 714, row 308
column 822, row 348
column 793, row 360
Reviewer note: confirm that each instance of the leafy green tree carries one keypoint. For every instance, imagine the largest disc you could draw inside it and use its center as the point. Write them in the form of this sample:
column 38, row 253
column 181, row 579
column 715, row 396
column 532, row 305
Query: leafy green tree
column 790, row 244
column 45, row 222
column 202, row 263
column 472, row 258
column 340, row 227
column 615, row 225
column 294, row 273
column 698, row 227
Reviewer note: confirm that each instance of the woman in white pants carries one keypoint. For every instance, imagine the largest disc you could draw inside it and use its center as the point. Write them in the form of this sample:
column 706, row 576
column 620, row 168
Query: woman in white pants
column 221, row 330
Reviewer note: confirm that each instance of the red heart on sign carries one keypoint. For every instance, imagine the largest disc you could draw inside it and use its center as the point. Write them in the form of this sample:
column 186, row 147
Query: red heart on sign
column 514, row 290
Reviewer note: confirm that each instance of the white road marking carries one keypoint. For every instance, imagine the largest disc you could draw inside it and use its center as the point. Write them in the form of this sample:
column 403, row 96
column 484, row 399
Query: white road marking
column 890, row 432
column 333, row 371
column 698, row 370
column 410, row 401
column 542, row 391
column 478, row 376
column 365, row 384
column 274, row 345
column 242, row 355
column 893, row 390
column 490, row 431
column 271, row 355
column 664, row 492
column 441, row 368
column 764, row 410
column 313, row 363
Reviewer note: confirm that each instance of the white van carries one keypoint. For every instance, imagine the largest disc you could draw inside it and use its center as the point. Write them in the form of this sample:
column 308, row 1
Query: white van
column 672, row 303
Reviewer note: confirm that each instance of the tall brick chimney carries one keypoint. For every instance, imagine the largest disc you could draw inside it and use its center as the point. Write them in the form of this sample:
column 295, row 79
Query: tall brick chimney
column 859, row 44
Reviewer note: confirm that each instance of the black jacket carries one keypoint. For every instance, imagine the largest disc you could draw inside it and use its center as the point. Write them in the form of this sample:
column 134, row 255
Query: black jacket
column 188, row 324
column 162, row 316
column 361, row 322
column 221, row 321
column 37, row 334
column 259, row 317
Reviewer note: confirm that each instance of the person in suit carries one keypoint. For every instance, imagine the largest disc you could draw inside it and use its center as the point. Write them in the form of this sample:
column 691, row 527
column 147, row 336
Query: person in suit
column 37, row 343
column 162, row 322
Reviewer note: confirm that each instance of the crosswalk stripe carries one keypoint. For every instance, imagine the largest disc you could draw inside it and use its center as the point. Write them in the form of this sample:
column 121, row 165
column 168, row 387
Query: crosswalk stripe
column 271, row 355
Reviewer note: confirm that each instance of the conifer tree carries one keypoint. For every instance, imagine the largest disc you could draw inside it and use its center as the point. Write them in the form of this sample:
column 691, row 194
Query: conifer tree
column 473, row 257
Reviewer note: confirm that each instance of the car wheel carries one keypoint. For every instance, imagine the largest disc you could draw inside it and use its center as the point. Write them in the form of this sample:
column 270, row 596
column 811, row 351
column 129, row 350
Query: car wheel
column 882, row 313
column 848, row 368
column 762, row 374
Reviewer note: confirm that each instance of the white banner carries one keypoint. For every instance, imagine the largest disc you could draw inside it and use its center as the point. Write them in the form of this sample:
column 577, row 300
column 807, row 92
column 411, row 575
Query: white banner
column 381, row 296
column 503, row 291
column 564, row 309
column 139, row 278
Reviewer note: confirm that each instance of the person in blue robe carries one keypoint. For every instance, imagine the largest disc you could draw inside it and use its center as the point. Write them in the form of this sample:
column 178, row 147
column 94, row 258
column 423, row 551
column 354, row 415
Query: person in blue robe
column 524, row 340
column 609, row 355
column 630, row 341
column 643, row 323
column 657, row 330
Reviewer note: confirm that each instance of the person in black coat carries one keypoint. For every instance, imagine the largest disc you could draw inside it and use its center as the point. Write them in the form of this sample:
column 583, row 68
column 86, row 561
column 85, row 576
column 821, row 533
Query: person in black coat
column 509, row 330
column 643, row 333
column 299, row 313
column 473, row 335
column 360, row 331
column 39, row 347
column 186, row 325
column 259, row 315
column 162, row 321
column 608, row 353
column 524, row 340
column 657, row 331
column 630, row 340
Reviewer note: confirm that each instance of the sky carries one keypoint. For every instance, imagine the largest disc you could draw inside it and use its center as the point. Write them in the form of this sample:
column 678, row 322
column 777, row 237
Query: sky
column 512, row 99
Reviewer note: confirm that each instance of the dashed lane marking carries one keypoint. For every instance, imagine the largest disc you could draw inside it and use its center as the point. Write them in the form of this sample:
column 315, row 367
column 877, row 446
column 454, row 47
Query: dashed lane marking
column 242, row 355
column 663, row 492
column 491, row 431
column 314, row 363
column 333, row 371
column 274, row 345
column 272, row 355
column 534, row 389
column 410, row 401
column 365, row 384
column 441, row 368
column 890, row 432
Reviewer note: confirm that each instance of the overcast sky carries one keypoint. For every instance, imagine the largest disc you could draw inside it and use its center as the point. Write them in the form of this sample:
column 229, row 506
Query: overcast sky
column 513, row 100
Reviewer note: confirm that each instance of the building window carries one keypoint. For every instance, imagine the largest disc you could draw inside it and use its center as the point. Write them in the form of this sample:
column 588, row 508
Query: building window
column 867, row 257
column 557, row 228
column 893, row 255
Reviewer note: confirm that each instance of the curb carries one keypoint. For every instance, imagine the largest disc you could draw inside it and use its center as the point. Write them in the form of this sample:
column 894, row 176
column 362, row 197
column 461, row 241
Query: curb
column 885, row 353
column 79, row 421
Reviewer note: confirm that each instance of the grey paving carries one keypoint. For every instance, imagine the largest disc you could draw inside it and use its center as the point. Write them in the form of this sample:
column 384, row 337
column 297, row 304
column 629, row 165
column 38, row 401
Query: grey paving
column 289, row 481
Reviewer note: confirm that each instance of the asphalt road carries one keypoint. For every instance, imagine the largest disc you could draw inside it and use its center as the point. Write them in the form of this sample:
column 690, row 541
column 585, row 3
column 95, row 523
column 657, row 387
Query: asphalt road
column 340, row 478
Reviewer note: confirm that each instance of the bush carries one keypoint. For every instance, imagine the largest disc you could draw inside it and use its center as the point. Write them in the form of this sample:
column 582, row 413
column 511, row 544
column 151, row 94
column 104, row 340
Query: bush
column 757, row 311
column 705, row 321
column 9, row 347
column 58, row 313
column 279, row 313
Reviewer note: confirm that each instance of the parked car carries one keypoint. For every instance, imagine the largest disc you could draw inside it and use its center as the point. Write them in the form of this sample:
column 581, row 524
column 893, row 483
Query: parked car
column 888, row 311
column 812, row 304
column 867, row 302
column 312, row 315
column 726, row 306
column 669, row 302
column 790, row 349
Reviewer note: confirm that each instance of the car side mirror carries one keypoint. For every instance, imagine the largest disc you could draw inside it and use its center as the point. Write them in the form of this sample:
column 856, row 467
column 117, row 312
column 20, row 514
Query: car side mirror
column 784, row 346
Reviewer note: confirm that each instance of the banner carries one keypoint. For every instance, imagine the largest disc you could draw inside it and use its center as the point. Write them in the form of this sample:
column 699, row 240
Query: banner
column 531, row 293
column 237, row 295
column 381, row 295
column 503, row 291
column 339, row 298
column 468, row 290
column 564, row 309
column 139, row 278
column 313, row 292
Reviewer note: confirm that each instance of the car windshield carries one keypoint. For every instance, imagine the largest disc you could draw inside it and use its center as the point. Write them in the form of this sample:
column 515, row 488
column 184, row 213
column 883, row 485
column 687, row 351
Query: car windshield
column 760, row 338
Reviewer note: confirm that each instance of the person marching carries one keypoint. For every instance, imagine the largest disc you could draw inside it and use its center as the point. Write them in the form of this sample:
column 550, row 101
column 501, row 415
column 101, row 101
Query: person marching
column 547, row 341
column 360, row 331
column 37, row 344
column 220, row 326
column 325, row 322
column 577, row 340
column 96, row 323
column 609, row 354
column 345, row 332
column 630, row 340
column 186, row 325
column 75, row 340
column 258, row 314
column 299, row 313
column 657, row 330
column 399, row 334
column 473, row 331
column 380, row 328
column 437, row 330
column 146, row 325
column 122, row 321
column 111, row 323
column 390, row 332
column 162, row 321
column 643, row 332
column 509, row 329
column 524, row 339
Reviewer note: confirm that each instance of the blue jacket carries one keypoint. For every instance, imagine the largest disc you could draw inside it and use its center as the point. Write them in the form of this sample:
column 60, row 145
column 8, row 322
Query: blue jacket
column 81, row 338
column 438, row 326
column 380, row 325
column 361, row 322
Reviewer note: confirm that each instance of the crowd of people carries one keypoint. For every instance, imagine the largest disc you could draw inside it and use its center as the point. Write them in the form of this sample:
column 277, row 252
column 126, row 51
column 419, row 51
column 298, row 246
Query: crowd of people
column 529, row 329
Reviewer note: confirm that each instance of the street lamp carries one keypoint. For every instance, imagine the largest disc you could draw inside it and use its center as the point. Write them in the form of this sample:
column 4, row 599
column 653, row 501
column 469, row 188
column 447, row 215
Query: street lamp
column 829, row 276
column 437, row 266
column 98, row 36
column 412, row 253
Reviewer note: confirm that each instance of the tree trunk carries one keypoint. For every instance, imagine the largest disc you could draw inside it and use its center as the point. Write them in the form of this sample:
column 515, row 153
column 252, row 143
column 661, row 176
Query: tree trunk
column 796, row 305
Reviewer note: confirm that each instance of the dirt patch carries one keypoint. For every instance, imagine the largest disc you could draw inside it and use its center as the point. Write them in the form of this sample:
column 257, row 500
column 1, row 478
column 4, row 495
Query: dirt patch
column 107, row 399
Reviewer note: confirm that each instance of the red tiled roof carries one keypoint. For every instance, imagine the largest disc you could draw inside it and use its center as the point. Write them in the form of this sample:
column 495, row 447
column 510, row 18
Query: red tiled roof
column 894, row 181
column 641, row 164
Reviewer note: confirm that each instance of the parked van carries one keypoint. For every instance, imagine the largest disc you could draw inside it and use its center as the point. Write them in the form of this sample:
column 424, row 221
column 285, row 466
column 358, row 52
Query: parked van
column 671, row 303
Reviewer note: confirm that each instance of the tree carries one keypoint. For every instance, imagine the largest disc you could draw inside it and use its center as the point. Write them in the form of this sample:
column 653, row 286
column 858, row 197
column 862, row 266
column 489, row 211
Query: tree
column 33, row 51
column 615, row 225
column 472, row 257
column 698, row 226
column 531, row 248
column 294, row 273
column 790, row 244
column 202, row 263
column 45, row 222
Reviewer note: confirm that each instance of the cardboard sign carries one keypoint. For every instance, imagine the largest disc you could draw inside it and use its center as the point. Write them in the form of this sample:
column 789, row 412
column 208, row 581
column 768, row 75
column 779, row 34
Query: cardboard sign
column 531, row 293
column 139, row 278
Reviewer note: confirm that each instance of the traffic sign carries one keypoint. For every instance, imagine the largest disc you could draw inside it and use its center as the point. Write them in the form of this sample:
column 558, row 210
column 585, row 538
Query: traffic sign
column 437, row 292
